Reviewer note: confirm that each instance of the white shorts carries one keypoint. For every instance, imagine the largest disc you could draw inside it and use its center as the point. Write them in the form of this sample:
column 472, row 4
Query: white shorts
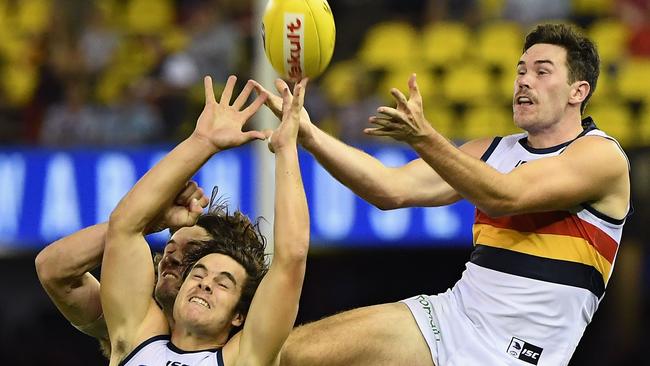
column 451, row 336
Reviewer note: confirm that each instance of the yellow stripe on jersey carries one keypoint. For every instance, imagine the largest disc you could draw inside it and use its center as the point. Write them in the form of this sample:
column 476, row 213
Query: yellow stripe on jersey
column 560, row 247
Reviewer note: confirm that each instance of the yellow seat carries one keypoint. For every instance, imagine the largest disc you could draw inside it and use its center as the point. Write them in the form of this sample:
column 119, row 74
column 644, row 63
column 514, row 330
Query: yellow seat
column 13, row 46
column 487, row 121
column 390, row 45
column 491, row 9
column 611, row 37
column 597, row 8
column 468, row 83
column 632, row 81
column 500, row 44
column 399, row 79
column 18, row 82
column 33, row 16
column 149, row 17
column 444, row 43
column 344, row 82
column 615, row 119
column 442, row 118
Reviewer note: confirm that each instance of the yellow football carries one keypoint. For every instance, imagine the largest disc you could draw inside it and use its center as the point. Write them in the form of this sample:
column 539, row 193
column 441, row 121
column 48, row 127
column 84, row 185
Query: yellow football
column 298, row 37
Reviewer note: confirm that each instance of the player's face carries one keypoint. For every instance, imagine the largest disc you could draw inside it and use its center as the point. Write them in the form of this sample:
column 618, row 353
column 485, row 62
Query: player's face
column 207, row 299
column 170, row 268
column 542, row 87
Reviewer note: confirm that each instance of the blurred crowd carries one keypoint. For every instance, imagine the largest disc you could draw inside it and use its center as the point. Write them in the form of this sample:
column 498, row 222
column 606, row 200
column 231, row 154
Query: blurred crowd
column 124, row 72
column 113, row 72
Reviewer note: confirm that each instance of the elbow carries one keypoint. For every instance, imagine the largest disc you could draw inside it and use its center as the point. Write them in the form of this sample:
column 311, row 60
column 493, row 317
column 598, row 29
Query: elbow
column 297, row 251
column 500, row 207
column 121, row 221
column 45, row 269
column 388, row 203
column 300, row 250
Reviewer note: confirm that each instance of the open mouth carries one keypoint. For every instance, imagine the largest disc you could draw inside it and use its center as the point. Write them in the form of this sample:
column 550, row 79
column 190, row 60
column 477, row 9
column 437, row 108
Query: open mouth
column 169, row 275
column 200, row 301
column 523, row 100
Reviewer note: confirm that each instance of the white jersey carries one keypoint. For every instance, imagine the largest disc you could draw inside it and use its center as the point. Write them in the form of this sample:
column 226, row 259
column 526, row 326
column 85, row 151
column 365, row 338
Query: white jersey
column 533, row 283
column 159, row 351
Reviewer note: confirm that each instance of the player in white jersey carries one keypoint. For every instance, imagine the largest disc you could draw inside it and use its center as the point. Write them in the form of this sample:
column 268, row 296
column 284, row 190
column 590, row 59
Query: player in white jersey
column 222, row 270
column 518, row 300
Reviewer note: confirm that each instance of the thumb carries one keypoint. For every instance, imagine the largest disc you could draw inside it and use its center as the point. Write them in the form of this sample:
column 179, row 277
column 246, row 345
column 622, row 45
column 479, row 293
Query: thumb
column 194, row 211
column 254, row 135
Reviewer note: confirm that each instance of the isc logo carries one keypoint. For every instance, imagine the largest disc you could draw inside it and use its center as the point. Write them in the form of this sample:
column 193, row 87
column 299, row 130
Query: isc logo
column 175, row 363
column 524, row 351
column 294, row 44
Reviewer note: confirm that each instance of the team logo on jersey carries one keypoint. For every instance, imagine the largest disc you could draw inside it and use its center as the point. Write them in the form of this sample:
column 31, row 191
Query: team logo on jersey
column 524, row 351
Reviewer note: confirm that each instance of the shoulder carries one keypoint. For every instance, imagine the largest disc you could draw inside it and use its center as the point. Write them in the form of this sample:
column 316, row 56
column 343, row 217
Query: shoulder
column 477, row 148
column 598, row 150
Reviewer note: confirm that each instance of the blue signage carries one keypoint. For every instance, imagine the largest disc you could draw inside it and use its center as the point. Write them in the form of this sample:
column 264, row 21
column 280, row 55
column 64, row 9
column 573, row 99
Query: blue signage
column 46, row 194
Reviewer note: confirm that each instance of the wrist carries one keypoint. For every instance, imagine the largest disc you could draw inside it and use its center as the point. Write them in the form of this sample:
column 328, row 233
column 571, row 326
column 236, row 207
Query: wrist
column 196, row 139
column 307, row 137
column 427, row 141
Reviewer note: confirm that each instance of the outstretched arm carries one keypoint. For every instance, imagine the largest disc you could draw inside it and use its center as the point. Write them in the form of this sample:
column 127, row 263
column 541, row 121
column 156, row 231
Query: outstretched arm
column 275, row 305
column 413, row 184
column 592, row 169
column 127, row 265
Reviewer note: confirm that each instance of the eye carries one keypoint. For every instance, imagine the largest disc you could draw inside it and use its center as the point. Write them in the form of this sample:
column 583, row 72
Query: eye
column 224, row 285
column 542, row 72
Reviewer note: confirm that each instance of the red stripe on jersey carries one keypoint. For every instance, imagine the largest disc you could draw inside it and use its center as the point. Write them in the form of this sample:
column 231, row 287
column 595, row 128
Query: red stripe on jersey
column 557, row 223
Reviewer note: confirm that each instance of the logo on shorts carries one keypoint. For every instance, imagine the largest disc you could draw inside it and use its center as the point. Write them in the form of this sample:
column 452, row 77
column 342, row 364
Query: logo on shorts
column 524, row 351
column 428, row 308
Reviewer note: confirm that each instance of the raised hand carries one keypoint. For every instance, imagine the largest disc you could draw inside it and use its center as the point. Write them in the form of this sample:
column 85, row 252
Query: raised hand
column 406, row 121
column 183, row 211
column 286, row 135
column 274, row 103
column 221, row 123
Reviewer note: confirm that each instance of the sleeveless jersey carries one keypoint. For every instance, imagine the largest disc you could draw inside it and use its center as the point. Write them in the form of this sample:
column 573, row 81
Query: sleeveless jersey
column 159, row 351
column 537, row 278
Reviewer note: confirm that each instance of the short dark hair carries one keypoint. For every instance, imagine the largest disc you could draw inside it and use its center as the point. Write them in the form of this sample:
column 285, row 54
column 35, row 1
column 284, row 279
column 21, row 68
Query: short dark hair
column 582, row 56
column 236, row 236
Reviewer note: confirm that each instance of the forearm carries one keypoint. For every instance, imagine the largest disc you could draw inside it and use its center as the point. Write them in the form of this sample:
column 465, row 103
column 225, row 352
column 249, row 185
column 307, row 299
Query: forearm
column 69, row 258
column 362, row 173
column 474, row 180
column 291, row 223
column 63, row 270
column 155, row 190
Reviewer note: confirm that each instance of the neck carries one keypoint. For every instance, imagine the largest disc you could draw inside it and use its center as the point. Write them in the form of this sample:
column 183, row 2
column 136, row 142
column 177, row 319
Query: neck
column 188, row 340
column 557, row 133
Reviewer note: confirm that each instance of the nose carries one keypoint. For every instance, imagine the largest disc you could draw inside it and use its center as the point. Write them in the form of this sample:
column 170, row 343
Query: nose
column 205, row 286
column 522, row 81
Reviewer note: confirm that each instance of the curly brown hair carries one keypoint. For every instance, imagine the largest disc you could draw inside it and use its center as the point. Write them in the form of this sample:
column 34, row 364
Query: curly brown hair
column 581, row 53
column 236, row 236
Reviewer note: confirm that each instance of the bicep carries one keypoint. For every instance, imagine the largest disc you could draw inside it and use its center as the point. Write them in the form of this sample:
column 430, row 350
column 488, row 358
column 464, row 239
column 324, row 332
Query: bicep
column 272, row 313
column 584, row 173
column 127, row 282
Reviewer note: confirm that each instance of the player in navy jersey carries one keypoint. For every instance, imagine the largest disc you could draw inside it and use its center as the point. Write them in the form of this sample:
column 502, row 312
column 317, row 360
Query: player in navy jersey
column 222, row 270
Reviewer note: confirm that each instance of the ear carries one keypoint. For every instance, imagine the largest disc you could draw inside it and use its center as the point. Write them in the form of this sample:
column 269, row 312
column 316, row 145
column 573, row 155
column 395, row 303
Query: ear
column 237, row 320
column 579, row 92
